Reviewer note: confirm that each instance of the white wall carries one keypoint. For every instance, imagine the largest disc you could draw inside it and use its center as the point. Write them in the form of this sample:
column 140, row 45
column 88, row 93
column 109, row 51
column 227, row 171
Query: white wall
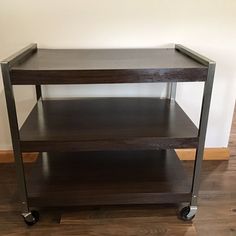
column 207, row 26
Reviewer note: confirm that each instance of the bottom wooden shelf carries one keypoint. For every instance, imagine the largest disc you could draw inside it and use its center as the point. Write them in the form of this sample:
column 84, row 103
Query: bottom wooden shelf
column 108, row 178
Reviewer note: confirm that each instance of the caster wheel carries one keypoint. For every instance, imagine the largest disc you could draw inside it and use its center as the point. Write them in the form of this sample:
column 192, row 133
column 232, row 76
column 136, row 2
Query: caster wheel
column 31, row 217
column 188, row 213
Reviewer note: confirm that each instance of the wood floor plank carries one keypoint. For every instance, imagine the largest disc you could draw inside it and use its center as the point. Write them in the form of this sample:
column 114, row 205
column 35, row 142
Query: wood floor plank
column 6, row 156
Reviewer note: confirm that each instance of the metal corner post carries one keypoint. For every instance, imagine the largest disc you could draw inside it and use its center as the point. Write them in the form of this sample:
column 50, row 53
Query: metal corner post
column 171, row 90
column 12, row 115
column 38, row 90
column 173, row 86
column 202, row 131
column 203, row 117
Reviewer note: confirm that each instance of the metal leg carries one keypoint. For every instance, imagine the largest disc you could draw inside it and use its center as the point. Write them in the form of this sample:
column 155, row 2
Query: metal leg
column 38, row 91
column 168, row 90
column 204, row 117
column 171, row 90
column 11, row 107
column 202, row 132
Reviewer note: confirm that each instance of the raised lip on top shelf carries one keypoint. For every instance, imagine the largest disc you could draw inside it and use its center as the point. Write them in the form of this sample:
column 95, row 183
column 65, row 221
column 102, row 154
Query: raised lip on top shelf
column 91, row 66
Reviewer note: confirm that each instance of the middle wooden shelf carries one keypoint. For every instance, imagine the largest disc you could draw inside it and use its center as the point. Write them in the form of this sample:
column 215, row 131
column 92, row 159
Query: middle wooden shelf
column 88, row 124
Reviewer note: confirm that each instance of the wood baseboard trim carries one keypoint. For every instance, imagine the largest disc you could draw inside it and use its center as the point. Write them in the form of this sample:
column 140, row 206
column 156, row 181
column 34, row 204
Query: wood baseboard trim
column 6, row 156
column 211, row 154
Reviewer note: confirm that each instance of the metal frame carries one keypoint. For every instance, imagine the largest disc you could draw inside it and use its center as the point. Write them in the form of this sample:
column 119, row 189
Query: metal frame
column 203, row 117
column 38, row 91
column 12, row 115
column 171, row 90
column 171, row 94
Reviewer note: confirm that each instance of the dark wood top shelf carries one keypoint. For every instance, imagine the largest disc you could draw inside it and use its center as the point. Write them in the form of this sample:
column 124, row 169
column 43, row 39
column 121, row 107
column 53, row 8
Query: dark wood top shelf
column 107, row 124
column 86, row 66
column 104, row 178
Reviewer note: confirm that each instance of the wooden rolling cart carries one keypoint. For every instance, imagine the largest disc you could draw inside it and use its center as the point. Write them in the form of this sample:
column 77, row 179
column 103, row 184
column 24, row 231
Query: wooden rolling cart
column 100, row 151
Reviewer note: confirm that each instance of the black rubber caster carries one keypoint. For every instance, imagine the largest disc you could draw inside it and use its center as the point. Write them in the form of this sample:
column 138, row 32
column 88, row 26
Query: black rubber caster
column 31, row 217
column 187, row 213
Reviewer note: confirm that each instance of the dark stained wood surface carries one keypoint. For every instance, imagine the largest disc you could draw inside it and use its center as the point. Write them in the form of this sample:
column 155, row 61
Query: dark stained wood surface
column 216, row 215
column 105, row 178
column 216, row 212
column 107, row 124
column 86, row 66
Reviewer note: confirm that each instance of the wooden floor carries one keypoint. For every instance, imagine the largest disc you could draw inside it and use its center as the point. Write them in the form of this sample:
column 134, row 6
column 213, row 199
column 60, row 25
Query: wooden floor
column 216, row 214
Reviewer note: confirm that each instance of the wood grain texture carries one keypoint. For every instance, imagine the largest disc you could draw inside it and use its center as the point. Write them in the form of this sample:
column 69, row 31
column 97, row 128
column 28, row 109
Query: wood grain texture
column 216, row 214
column 138, row 220
column 107, row 124
column 52, row 66
column 106, row 178
column 210, row 154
